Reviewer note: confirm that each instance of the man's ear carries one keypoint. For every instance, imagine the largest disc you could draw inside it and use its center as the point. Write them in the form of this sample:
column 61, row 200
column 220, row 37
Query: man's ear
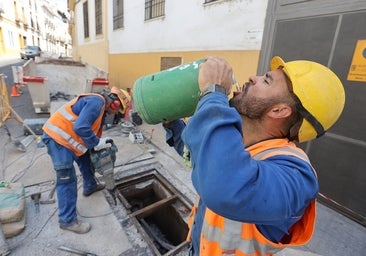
column 280, row 111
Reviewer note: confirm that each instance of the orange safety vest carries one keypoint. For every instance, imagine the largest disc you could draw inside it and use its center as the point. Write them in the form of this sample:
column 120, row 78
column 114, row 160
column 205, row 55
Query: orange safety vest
column 60, row 127
column 221, row 236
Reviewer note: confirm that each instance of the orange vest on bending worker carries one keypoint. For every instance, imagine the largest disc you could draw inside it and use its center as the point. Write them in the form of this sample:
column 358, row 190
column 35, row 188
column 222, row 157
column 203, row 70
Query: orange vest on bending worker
column 222, row 236
column 60, row 127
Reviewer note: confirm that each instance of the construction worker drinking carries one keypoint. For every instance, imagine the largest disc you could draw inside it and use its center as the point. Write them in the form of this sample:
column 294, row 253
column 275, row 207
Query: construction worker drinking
column 256, row 188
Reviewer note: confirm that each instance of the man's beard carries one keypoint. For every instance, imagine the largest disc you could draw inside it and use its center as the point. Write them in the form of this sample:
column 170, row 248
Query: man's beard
column 250, row 106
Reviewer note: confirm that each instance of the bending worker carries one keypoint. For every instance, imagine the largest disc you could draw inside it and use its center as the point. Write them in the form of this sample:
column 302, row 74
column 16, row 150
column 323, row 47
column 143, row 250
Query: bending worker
column 69, row 134
column 256, row 188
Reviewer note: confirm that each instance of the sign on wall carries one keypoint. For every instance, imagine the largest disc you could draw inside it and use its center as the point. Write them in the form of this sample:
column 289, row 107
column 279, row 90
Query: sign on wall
column 357, row 71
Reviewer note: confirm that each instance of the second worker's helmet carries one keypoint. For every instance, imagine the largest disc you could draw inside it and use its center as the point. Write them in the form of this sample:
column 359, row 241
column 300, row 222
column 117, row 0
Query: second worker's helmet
column 123, row 97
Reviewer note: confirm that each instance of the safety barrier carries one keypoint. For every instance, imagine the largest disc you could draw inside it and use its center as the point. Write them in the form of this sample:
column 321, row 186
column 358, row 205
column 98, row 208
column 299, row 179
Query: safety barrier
column 97, row 85
column 47, row 78
column 5, row 111
column 39, row 92
column 37, row 86
column 29, row 68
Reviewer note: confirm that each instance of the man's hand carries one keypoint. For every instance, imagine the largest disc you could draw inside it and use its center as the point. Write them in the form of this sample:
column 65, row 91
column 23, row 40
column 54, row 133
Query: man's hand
column 103, row 143
column 215, row 70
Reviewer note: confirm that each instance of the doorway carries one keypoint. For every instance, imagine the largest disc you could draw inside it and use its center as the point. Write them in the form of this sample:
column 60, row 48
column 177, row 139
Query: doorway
column 328, row 32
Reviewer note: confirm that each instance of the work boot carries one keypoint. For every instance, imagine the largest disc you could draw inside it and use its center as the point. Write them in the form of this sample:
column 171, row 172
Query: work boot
column 79, row 227
column 97, row 188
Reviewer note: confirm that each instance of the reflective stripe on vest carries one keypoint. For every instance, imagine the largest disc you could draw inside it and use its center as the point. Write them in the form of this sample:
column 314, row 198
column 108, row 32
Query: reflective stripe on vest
column 231, row 242
column 222, row 236
column 284, row 151
column 67, row 137
column 281, row 151
column 66, row 114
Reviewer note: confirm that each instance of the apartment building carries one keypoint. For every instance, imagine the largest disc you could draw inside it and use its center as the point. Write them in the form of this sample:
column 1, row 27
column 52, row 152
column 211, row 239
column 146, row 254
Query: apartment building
column 33, row 22
column 133, row 38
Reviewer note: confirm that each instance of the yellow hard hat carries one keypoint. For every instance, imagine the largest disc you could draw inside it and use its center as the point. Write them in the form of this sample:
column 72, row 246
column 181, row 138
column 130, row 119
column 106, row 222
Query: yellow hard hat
column 123, row 96
column 320, row 92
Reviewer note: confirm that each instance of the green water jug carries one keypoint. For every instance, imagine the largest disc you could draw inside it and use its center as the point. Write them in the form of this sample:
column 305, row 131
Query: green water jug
column 167, row 95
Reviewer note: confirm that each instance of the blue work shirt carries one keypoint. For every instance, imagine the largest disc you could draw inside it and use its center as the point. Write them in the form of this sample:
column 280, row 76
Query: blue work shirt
column 88, row 109
column 271, row 193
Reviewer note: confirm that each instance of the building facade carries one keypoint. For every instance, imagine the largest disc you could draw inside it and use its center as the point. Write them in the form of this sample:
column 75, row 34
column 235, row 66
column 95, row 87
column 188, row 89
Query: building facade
column 130, row 39
column 33, row 22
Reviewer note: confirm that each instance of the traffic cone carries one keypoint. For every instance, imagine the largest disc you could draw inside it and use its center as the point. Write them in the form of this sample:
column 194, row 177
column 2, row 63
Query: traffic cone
column 14, row 91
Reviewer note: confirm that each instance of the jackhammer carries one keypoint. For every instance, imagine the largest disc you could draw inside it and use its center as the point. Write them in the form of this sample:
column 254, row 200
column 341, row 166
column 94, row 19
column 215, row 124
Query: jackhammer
column 103, row 162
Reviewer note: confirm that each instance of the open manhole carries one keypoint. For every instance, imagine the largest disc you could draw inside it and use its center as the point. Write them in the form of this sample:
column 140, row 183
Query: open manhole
column 158, row 209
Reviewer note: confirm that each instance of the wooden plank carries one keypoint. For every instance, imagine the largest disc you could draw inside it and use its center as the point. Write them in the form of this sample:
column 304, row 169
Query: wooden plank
column 146, row 211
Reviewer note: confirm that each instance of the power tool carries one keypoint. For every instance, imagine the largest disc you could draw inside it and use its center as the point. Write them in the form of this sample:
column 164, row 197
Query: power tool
column 103, row 162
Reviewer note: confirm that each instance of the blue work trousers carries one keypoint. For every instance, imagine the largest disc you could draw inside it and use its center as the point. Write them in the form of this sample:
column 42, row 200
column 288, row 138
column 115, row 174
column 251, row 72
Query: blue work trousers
column 66, row 180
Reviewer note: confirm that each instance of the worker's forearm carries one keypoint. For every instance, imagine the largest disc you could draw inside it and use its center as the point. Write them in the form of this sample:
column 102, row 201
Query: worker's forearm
column 174, row 131
column 83, row 125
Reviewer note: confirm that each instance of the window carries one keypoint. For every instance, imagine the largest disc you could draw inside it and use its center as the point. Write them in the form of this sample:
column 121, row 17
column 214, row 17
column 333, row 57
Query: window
column 117, row 14
column 11, row 38
column 98, row 17
column 169, row 62
column 86, row 19
column 154, row 8
column 16, row 11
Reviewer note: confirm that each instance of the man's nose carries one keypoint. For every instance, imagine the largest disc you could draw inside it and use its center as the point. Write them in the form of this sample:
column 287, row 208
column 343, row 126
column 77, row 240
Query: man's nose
column 237, row 92
column 253, row 80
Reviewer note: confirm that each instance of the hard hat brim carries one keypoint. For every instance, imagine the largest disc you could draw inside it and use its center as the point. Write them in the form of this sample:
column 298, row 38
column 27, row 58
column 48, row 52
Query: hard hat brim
column 123, row 97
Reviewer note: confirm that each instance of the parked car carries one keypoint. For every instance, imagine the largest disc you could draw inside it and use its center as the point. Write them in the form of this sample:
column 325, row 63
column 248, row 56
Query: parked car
column 30, row 51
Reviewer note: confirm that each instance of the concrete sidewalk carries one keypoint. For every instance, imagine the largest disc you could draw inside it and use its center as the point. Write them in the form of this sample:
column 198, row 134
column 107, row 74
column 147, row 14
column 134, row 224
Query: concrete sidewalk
column 108, row 236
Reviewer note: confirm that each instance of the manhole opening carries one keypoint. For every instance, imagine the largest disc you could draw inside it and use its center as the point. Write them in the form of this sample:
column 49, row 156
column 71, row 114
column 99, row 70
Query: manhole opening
column 142, row 192
column 158, row 209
